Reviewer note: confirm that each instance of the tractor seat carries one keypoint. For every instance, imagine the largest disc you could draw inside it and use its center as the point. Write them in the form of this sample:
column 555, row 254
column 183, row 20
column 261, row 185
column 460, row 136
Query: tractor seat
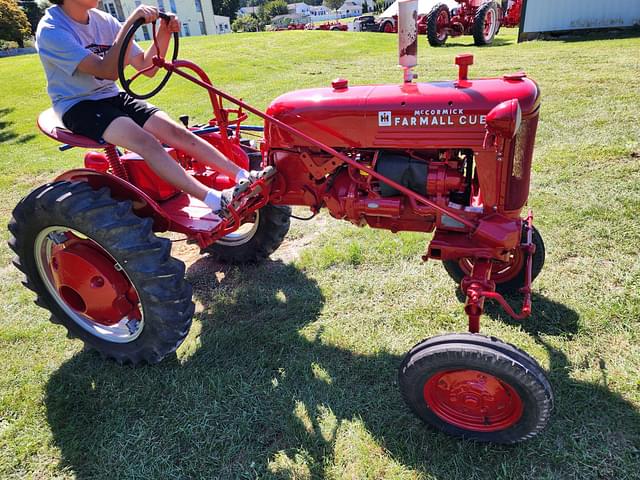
column 52, row 126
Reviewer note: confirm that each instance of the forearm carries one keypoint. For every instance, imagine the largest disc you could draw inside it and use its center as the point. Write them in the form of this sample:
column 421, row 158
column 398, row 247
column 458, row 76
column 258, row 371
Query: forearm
column 109, row 64
column 162, row 40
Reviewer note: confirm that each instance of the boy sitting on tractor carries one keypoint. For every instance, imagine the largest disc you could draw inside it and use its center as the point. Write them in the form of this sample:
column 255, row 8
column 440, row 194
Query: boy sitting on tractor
column 79, row 47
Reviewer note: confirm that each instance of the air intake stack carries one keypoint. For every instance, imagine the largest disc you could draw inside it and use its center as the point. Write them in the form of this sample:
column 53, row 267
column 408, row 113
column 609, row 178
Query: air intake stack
column 408, row 37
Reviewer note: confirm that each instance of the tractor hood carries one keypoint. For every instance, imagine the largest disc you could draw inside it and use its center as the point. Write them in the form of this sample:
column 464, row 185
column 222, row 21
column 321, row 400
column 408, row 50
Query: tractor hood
column 412, row 115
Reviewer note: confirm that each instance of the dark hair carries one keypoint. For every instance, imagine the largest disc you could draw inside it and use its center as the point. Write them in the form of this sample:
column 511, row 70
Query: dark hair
column 56, row 2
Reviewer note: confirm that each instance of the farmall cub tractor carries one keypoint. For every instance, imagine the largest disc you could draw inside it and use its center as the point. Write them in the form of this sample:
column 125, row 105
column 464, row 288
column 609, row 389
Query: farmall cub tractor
column 452, row 158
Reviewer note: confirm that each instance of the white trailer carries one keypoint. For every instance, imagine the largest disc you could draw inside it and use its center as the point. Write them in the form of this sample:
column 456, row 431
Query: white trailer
column 541, row 16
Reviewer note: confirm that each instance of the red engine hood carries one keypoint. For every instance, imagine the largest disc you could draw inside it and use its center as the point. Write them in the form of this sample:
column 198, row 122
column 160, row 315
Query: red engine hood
column 417, row 115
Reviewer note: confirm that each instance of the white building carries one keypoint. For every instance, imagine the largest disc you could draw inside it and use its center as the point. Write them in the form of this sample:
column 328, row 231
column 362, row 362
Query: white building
column 370, row 4
column 196, row 16
column 300, row 8
column 247, row 11
column 319, row 11
column 350, row 9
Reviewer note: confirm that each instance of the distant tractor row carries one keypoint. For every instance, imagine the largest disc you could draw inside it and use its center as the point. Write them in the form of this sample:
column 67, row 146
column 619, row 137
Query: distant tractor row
column 480, row 18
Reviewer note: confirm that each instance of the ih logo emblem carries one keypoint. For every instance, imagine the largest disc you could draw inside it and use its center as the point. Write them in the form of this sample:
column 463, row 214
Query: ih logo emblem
column 384, row 119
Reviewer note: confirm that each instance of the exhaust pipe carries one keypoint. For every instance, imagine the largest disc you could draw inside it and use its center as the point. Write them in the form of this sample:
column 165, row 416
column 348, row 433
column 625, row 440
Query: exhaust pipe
column 408, row 37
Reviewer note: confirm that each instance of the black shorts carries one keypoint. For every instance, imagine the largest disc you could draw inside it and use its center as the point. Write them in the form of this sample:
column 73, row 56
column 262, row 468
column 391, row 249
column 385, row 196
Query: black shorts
column 91, row 118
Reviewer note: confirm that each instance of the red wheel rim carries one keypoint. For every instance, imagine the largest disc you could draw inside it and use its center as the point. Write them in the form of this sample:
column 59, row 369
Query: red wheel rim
column 88, row 284
column 473, row 400
column 489, row 20
column 501, row 272
column 441, row 23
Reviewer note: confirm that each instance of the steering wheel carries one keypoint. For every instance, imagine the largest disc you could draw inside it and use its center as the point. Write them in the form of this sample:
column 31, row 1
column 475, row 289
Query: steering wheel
column 126, row 83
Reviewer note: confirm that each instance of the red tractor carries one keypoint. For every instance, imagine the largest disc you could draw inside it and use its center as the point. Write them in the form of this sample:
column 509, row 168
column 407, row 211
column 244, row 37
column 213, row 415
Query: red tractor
column 480, row 18
column 390, row 24
column 333, row 26
column 452, row 158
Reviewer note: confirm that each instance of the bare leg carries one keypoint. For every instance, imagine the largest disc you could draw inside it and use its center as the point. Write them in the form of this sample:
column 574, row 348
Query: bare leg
column 125, row 132
column 161, row 126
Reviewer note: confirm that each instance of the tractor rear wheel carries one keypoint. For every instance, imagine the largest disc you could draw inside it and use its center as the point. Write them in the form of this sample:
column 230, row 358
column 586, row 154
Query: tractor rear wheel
column 256, row 240
column 508, row 276
column 437, row 22
column 101, row 272
column 486, row 24
column 476, row 387
column 387, row 27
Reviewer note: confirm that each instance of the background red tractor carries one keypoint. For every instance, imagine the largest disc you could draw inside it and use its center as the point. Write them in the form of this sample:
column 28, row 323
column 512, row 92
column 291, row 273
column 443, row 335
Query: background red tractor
column 333, row 26
column 480, row 18
column 451, row 158
column 390, row 24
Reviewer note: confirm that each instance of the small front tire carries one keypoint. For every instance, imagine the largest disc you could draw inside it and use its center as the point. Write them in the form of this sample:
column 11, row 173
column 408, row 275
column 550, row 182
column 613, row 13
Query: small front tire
column 476, row 387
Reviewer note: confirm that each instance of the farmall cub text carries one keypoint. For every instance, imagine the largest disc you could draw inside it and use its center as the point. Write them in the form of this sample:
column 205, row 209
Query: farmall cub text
column 452, row 158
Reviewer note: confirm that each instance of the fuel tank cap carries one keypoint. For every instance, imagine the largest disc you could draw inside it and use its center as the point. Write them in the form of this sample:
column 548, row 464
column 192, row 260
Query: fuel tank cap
column 515, row 76
column 340, row 84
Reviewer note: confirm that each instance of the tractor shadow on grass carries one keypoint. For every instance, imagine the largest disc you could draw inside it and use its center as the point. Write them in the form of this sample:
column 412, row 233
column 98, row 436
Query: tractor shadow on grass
column 257, row 391
column 467, row 41
column 6, row 132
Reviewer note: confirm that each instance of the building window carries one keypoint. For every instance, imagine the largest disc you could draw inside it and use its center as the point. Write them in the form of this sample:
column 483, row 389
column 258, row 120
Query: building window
column 145, row 32
column 185, row 27
column 173, row 6
column 111, row 9
column 161, row 4
column 198, row 6
column 203, row 30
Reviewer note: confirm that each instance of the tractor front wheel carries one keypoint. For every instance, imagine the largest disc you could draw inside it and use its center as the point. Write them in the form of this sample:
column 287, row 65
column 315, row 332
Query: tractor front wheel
column 437, row 24
column 486, row 24
column 476, row 387
column 101, row 272
column 508, row 276
column 254, row 240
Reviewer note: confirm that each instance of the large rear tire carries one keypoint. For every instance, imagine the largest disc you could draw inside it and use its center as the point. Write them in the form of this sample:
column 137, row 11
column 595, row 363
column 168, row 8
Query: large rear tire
column 476, row 387
column 486, row 24
column 254, row 241
column 101, row 272
column 387, row 27
column 437, row 19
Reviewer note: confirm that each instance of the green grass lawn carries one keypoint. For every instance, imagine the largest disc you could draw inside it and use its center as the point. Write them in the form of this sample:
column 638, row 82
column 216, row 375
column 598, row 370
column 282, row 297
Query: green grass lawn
column 290, row 368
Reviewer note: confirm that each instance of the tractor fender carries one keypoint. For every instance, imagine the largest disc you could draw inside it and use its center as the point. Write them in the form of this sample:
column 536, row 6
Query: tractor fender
column 141, row 204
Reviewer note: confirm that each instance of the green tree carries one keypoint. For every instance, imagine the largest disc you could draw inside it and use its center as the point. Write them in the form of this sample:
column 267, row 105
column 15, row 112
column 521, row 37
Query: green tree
column 365, row 7
column 333, row 4
column 14, row 25
column 34, row 12
column 228, row 8
column 247, row 23
column 273, row 8
column 379, row 5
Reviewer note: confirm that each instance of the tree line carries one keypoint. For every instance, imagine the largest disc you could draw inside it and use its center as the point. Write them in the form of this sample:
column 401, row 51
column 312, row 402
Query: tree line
column 19, row 20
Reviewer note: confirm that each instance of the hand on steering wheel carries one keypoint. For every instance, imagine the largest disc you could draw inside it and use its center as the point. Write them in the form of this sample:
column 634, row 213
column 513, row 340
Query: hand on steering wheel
column 147, row 14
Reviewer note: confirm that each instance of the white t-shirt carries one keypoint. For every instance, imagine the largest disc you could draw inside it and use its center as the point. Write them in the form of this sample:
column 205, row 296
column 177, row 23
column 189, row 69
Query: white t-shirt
column 63, row 43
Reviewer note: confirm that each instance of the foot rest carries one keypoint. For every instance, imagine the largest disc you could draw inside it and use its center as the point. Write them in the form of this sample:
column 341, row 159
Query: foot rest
column 189, row 215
